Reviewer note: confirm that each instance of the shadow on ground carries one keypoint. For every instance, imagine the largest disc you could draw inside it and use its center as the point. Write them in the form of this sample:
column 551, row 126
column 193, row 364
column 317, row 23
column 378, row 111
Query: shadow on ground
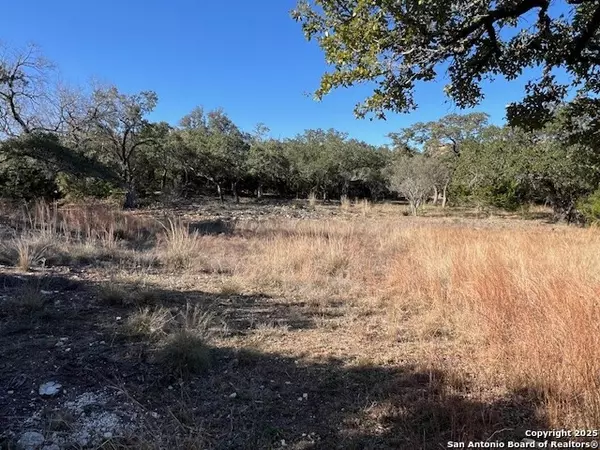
column 245, row 399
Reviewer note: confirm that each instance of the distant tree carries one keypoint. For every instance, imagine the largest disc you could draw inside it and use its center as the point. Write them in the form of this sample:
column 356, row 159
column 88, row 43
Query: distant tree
column 27, row 99
column 450, row 131
column 216, row 149
column 509, row 167
column 412, row 178
column 267, row 162
column 118, row 123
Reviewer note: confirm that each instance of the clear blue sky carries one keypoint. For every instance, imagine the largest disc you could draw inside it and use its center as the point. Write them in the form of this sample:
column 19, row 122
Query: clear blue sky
column 250, row 58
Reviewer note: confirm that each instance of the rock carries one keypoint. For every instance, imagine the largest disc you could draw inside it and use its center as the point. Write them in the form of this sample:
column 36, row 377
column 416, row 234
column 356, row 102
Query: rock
column 50, row 389
column 30, row 440
column 51, row 447
column 234, row 395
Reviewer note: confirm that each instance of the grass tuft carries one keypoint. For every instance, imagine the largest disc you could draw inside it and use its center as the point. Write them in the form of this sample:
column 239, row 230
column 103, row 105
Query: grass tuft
column 184, row 353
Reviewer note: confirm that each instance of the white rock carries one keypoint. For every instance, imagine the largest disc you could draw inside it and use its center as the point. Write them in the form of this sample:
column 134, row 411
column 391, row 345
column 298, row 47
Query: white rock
column 234, row 395
column 50, row 389
column 31, row 440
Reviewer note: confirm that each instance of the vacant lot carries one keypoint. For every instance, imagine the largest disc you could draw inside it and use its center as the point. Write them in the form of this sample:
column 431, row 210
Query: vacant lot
column 286, row 325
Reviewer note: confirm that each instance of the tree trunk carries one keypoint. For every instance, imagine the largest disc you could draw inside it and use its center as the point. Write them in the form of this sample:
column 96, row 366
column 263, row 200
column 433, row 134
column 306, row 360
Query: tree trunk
column 131, row 200
column 234, row 192
column 163, row 180
column 445, row 195
column 345, row 188
column 413, row 208
column 435, row 195
column 259, row 191
column 220, row 192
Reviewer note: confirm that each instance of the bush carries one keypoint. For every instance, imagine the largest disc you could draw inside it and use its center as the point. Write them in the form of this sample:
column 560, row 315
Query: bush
column 589, row 207
column 23, row 178
column 76, row 188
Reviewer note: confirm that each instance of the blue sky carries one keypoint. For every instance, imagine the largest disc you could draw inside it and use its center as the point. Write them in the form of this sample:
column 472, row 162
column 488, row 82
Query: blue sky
column 250, row 58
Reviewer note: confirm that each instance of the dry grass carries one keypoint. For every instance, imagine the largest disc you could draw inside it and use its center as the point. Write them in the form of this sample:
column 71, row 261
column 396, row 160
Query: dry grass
column 150, row 322
column 179, row 247
column 518, row 302
column 184, row 350
column 529, row 298
column 345, row 203
column 184, row 353
column 526, row 298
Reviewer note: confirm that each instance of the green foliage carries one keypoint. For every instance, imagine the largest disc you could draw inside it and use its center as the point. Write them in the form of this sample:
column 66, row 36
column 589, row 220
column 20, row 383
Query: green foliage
column 27, row 179
column 75, row 188
column 589, row 207
column 396, row 44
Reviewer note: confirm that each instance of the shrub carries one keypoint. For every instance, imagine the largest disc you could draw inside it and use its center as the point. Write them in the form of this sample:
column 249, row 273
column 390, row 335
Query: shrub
column 24, row 179
column 589, row 207
column 77, row 188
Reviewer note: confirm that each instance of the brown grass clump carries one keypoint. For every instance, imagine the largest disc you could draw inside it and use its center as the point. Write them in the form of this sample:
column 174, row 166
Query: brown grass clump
column 185, row 353
column 114, row 295
column 185, row 350
column 27, row 251
column 150, row 322
column 179, row 246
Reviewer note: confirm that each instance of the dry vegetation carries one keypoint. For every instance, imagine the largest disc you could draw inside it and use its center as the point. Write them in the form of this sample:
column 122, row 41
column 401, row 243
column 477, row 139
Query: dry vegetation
column 379, row 330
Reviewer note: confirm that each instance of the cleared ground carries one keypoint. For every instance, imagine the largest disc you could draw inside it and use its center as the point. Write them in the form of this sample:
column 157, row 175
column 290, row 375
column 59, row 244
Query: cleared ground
column 281, row 325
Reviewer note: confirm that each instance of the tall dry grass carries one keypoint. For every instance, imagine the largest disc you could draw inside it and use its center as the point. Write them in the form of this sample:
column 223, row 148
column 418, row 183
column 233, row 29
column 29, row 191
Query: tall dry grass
column 528, row 299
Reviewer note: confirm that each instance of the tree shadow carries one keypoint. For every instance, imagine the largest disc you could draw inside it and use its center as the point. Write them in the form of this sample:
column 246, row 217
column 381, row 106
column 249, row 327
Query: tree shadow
column 247, row 398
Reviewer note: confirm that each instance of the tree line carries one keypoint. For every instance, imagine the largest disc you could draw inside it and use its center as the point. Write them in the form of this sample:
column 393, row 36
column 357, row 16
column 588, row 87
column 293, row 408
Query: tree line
column 59, row 141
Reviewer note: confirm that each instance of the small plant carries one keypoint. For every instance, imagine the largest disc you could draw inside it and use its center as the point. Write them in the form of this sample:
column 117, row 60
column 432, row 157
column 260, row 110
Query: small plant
column 195, row 320
column 29, row 252
column 115, row 295
column 184, row 353
column 147, row 297
column 589, row 208
column 180, row 246
column 150, row 322
column 29, row 299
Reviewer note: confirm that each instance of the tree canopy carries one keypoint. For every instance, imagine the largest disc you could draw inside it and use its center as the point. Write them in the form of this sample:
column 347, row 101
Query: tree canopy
column 396, row 44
